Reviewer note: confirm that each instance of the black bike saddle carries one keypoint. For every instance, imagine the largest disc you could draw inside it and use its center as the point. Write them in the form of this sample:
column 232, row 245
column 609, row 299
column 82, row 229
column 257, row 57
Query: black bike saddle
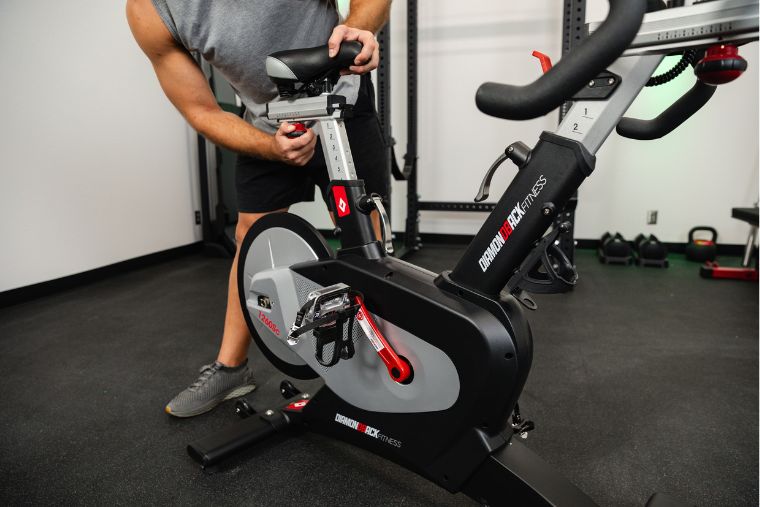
column 302, row 66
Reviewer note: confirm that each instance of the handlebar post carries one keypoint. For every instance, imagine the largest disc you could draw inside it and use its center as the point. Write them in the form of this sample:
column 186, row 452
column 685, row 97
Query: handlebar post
column 590, row 122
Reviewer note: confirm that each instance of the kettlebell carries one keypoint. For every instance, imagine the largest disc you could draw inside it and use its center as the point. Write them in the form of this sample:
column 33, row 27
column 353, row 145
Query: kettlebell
column 702, row 250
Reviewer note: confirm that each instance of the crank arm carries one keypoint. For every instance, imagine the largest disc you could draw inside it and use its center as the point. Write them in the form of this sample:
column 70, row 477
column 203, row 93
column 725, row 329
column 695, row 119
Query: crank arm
column 399, row 370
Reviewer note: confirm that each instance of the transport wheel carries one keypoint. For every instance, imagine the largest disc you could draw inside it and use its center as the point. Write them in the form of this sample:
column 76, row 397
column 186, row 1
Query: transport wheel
column 243, row 409
column 277, row 240
column 288, row 390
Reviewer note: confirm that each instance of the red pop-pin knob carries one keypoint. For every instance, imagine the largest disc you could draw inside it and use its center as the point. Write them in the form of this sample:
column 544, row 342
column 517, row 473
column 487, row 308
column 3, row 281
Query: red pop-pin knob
column 721, row 64
column 299, row 131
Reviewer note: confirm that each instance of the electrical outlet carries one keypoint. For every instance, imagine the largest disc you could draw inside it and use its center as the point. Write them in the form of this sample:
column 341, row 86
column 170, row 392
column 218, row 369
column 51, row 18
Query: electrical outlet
column 651, row 217
column 197, row 218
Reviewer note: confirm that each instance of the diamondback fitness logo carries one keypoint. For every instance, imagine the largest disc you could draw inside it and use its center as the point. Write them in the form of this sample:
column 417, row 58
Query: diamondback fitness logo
column 510, row 224
column 367, row 430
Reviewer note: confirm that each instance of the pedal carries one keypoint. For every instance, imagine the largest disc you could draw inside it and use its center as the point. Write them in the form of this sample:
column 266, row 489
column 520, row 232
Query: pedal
column 322, row 308
column 326, row 313
column 546, row 270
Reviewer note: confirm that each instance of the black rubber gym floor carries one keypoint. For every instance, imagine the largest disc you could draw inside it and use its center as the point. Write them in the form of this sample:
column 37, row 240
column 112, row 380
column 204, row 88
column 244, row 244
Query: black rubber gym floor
column 643, row 380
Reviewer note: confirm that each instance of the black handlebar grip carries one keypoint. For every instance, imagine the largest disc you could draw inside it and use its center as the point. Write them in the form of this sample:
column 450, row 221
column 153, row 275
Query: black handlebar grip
column 571, row 73
column 670, row 119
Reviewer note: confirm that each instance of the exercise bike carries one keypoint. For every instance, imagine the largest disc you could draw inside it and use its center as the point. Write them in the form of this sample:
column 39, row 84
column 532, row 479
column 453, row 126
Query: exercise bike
column 426, row 369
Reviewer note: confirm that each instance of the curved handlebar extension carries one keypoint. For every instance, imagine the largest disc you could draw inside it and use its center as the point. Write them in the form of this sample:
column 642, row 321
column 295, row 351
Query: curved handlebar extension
column 571, row 73
column 670, row 119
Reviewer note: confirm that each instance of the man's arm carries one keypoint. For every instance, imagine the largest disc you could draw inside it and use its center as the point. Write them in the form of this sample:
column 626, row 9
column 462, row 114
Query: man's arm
column 186, row 87
column 368, row 14
column 365, row 18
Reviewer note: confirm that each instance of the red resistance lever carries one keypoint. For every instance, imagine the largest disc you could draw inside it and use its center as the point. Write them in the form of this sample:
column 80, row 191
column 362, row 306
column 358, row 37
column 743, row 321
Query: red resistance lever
column 399, row 369
column 299, row 131
column 721, row 64
column 546, row 62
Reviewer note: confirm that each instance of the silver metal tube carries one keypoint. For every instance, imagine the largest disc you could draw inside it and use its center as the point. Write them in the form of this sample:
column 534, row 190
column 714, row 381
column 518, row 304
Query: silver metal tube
column 750, row 246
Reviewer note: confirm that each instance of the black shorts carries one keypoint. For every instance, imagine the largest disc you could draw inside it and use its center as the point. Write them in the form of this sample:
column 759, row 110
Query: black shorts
column 265, row 185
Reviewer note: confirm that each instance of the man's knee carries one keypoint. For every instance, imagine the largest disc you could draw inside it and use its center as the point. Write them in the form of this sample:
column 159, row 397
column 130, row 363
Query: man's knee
column 245, row 221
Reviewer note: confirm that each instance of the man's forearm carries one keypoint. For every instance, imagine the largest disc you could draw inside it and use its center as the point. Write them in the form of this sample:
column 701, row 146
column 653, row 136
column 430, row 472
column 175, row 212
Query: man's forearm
column 368, row 14
column 230, row 131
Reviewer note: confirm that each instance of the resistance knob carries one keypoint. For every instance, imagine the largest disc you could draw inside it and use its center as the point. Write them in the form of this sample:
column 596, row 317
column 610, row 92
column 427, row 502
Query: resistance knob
column 721, row 64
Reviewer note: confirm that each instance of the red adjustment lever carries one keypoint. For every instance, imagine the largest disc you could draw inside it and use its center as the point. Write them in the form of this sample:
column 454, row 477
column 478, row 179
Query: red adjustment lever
column 546, row 62
column 299, row 131
column 399, row 369
column 721, row 64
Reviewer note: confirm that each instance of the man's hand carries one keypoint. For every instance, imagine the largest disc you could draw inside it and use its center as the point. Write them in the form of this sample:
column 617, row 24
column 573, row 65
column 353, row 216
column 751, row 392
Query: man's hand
column 294, row 151
column 368, row 59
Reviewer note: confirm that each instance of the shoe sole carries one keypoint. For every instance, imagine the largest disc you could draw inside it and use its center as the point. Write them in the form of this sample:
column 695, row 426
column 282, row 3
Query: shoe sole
column 235, row 393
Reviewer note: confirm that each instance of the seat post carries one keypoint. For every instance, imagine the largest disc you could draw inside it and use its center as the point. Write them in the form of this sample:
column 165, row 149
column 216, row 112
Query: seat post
column 326, row 114
column 337, row 152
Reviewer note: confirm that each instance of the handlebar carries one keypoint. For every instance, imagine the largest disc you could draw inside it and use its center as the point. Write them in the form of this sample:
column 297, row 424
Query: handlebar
column 571, row 73
column 670, row 119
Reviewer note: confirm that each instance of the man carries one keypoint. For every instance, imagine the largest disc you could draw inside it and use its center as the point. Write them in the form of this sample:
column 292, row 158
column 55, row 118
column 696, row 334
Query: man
column 273, row 171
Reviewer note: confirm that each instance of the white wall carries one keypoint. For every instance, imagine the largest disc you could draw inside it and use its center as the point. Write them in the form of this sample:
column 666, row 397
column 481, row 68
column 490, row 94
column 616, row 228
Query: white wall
column 694, row 176
column 95, row 164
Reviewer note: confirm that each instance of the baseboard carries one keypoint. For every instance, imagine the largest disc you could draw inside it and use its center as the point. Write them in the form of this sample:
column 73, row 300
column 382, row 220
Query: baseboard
column 24, row 294
column 679, row 248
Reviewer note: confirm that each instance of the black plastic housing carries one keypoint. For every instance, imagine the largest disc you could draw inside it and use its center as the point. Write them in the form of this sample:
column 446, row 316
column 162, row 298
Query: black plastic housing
column 558, row 166
column 487, row 338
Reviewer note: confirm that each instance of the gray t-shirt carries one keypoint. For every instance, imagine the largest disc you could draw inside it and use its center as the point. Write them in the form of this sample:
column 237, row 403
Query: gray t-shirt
column 235, row 36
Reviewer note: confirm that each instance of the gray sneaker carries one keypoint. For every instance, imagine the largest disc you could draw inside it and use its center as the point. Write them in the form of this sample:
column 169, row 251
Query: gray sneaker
column 216, row 384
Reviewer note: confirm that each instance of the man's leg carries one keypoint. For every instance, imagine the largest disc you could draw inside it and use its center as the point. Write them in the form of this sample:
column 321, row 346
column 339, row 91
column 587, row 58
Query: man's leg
column 229, row 376
column 236, row 338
